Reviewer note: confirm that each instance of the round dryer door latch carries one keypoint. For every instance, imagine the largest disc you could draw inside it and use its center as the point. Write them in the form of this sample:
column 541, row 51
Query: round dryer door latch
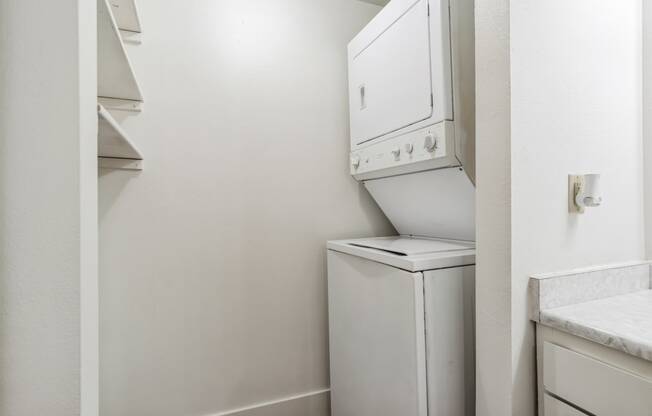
column 430, row 143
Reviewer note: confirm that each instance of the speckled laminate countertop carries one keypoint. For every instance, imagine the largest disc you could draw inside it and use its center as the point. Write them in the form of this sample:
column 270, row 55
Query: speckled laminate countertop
column 610, row 305
column 621, row 322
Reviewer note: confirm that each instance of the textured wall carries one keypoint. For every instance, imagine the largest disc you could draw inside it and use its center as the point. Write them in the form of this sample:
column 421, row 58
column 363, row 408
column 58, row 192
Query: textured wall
column 48, row 208
column 493, row 221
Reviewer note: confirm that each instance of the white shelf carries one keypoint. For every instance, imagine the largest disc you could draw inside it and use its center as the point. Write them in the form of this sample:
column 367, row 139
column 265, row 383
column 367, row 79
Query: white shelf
column 115, row 75
column 114, row 144
column 119, row 164
column 114, row 104
column 126, row 15
column 131, row 38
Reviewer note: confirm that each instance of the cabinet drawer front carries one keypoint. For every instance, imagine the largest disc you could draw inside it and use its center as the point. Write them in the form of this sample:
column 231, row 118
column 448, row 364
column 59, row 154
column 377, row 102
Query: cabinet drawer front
column 593, row 385
column 554, row 407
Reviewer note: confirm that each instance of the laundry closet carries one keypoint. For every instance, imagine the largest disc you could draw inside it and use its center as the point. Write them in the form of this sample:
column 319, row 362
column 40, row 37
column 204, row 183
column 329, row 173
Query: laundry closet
column 325, row 208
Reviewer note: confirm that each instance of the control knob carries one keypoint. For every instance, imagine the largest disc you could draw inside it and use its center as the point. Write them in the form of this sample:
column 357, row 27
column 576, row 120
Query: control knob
column 355, row 161
column 409, row 148
column 430, row 143
column 396, row 152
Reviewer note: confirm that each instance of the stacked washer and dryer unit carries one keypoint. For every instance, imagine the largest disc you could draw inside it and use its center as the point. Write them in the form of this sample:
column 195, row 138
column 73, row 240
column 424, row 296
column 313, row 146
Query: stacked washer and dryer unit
column 401, row 309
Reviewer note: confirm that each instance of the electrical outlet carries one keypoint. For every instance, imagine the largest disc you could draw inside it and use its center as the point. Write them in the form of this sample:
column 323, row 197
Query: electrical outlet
column 575, row 186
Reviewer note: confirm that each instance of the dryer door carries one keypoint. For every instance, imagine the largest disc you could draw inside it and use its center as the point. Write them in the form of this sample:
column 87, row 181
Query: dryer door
column 390, row 84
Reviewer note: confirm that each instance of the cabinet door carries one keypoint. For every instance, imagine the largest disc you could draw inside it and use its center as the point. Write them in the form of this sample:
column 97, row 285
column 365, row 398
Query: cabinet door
column 377, row 348
column 390, row 82
column 554, row 407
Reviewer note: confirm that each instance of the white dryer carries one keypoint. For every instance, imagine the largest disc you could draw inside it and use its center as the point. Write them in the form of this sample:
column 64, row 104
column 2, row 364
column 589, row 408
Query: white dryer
column 401, row 321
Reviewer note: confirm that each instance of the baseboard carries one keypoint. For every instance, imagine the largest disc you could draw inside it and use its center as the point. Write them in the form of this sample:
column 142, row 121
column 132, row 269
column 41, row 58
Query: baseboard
column 314, row 403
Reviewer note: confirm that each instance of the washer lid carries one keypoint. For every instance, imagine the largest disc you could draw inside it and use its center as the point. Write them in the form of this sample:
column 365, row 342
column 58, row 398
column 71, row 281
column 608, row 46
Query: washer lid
column 409, row 253
column 403, row 246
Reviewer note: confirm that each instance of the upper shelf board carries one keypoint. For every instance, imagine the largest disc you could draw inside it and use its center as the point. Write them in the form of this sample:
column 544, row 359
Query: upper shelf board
column 115, row 75
column 126, row 15
column 112, row 141
column 378, row 2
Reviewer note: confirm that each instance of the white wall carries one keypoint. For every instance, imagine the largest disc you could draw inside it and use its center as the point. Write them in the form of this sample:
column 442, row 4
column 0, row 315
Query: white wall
column 647, row 123
column 213, row 280
column 48, row 208
column 576, row 102
column 576, row 107
column 88, row 199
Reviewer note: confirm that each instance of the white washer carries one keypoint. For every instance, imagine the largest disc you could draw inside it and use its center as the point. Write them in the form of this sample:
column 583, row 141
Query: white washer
column 401, row 321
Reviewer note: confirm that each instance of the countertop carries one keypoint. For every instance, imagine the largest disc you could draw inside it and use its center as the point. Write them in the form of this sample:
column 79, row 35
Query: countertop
column 610, row 305
column 621, row 322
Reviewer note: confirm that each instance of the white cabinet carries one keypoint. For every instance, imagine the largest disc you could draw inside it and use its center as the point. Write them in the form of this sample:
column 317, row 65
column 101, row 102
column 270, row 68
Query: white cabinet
column 556, row 407
column 593, row 385
column 590, row 377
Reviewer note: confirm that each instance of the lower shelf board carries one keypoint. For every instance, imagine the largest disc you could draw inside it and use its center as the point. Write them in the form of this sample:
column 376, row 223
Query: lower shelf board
column 115, row 149
column 119, row 164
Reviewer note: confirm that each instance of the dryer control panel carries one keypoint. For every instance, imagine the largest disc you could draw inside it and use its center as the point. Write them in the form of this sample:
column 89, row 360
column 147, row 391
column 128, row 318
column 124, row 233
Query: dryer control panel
column 426, row 148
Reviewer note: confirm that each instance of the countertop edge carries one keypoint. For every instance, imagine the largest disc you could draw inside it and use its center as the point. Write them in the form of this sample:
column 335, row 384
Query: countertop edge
column 627, row 343
column 592, row 334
